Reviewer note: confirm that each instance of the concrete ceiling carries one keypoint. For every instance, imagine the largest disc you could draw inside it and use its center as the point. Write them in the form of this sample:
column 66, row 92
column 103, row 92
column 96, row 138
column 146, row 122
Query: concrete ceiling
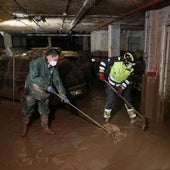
column 73, row 16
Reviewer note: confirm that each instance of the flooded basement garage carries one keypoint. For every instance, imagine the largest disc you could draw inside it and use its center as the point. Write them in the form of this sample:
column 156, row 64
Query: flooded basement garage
column 78, row 143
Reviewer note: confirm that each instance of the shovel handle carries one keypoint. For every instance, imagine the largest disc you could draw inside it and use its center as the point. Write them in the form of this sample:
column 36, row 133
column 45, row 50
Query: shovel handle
column 123, row 99
column 94, row 121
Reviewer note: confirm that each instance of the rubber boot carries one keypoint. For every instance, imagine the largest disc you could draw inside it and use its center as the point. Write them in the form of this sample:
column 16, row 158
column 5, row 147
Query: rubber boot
column 130, row 112
column 25, row 126
column 107, row 114
column 44, row 124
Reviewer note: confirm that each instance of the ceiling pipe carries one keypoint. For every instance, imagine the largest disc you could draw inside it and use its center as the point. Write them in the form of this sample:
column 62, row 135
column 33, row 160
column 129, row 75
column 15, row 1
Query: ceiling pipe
column 37, row 24
column 65, row 14
column 86, row 6
column 24, row 15
column 143, row 7
column 59, row 35
column 67, row 5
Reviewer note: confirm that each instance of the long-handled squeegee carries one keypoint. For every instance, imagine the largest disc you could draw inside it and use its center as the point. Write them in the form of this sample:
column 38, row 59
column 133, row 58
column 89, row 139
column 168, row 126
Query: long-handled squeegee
column 91, row 119
column 142, row 123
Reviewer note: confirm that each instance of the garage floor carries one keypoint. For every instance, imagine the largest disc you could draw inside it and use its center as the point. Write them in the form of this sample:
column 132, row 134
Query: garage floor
column 79, row 144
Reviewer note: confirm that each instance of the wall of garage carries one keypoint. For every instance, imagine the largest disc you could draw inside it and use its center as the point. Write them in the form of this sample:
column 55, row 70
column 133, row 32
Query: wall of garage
column 99, row 41
column 74, row 43
column 129, row 40
column 132, row 40
column 156, row 80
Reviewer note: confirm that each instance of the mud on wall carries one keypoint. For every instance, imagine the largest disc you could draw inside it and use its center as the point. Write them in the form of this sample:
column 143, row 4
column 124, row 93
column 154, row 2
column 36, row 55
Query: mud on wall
column 154, row 101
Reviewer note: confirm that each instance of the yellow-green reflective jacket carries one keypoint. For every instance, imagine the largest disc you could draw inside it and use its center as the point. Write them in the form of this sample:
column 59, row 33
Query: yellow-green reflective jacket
column 119, row 75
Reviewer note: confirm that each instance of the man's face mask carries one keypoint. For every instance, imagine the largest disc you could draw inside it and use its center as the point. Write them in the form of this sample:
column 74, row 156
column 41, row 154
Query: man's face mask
column 129, row 65
column 53, row 63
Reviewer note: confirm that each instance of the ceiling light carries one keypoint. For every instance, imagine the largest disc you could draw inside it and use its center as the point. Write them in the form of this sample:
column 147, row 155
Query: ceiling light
column 39, row 18
column 20, row 15
column 64, row 14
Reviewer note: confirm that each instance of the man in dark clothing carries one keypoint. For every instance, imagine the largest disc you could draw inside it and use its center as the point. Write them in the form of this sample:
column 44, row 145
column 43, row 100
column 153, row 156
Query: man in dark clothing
column 42, row 78
column 120, row 73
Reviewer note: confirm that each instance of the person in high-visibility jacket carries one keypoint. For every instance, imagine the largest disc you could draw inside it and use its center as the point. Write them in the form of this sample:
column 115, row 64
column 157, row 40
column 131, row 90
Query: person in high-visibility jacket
column 120, row 73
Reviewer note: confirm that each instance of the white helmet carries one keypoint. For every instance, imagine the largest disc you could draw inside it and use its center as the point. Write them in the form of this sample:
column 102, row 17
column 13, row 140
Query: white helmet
column 129, row 59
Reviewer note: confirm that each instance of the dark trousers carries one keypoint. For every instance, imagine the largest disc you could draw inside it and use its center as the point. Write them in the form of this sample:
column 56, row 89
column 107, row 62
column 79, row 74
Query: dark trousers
column 111, row 97
column 30, row 103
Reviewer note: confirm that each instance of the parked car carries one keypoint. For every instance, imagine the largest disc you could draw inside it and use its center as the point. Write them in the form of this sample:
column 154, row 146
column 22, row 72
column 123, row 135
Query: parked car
column 83, row 61
column 73, row 78
column 13, row 78
column 13, row 71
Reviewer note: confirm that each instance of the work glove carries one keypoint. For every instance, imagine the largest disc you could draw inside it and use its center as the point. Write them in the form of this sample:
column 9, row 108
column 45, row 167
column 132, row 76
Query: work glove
column 50, row 89
column 120, row 90
column 101, row 77
column 64, row 98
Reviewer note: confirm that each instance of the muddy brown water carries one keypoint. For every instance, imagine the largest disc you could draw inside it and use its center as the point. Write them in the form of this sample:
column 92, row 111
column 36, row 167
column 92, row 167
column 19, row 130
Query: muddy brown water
column 79, row 144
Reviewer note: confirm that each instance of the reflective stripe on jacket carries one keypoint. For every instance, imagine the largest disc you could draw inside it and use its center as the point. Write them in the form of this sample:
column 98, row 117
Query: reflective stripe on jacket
column 119, row 75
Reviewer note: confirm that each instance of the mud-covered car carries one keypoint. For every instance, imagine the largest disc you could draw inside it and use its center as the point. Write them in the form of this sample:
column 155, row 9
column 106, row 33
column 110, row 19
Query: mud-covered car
column 73, row 78
column 83, row 61
column 13, row 71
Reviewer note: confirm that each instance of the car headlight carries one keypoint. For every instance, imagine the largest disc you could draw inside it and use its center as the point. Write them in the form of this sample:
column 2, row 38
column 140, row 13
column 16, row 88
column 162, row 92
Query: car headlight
column 76, row 92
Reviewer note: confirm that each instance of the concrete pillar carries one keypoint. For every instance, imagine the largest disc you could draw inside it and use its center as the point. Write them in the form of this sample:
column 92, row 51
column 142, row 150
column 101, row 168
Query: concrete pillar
column 113, row 40
column 7, row 40
column 99, row 41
